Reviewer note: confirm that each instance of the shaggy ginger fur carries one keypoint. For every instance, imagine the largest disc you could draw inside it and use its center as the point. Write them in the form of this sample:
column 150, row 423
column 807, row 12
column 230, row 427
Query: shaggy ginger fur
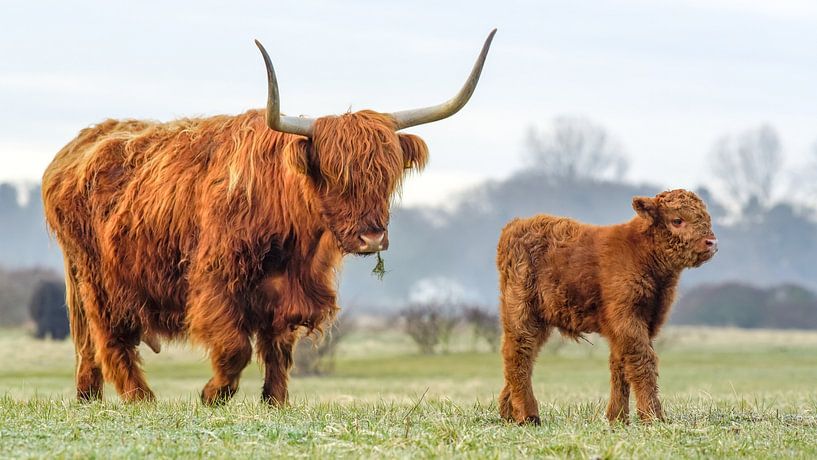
column 618, row 281
column 217, row 229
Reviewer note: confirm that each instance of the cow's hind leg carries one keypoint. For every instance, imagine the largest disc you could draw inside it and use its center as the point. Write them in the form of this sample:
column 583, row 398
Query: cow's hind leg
column 88, row 371
column 115, row 336
column 117, row 352
column 275, row 351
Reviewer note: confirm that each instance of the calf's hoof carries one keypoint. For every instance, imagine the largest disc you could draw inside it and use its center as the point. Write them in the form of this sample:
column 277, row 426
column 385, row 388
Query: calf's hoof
column 505, row 406
column 649, row 417
column 87, row 396
column 615, row 417
column 213, row 395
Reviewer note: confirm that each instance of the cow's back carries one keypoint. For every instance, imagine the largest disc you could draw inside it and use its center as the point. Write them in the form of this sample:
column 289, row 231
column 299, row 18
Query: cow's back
column 130, row 200
column 120, row 197
column 87, row 175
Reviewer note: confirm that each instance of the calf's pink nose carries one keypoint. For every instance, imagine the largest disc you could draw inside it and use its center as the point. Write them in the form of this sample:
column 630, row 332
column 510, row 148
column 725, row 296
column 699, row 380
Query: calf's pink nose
column 712, row 244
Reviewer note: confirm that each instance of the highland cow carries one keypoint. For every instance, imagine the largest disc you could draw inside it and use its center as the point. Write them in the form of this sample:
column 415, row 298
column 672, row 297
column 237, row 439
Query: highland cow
column 618, row 281
column 226, row 230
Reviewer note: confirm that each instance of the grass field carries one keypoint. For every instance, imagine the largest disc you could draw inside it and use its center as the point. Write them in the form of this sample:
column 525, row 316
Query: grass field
column 728, row 393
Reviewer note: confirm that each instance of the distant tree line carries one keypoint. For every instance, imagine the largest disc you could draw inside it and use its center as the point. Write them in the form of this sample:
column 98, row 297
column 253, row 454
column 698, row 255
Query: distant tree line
column 764, row 217
column 784, row 306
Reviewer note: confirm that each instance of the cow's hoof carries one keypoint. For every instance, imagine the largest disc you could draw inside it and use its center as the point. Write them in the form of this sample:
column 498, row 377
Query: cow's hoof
column 138, row 395
column 88, row 396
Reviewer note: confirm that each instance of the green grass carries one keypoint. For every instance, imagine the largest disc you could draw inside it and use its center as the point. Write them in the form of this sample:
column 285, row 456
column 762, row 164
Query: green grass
column 728, row 394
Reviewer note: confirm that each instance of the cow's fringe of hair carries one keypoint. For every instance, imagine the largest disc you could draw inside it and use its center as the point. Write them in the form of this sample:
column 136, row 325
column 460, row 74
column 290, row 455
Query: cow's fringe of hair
column 339, row 137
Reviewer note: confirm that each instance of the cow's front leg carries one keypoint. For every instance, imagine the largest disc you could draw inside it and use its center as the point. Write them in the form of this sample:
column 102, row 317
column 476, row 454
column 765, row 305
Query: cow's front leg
column 228, row 360
column 299, row 300
column 275, row 351
column 216, row 322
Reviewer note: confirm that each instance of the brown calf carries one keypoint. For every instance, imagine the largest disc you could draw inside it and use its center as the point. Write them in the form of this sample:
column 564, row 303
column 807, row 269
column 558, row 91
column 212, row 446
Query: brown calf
column 618, row 281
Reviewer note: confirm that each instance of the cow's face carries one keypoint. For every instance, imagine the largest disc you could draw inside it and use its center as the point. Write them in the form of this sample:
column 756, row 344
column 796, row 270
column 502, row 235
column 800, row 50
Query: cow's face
column 354, row 164
column 682, row 225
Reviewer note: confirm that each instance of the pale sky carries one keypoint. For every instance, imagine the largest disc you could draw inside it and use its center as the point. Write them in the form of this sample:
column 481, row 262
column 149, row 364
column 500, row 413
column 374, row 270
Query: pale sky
column 664, row 78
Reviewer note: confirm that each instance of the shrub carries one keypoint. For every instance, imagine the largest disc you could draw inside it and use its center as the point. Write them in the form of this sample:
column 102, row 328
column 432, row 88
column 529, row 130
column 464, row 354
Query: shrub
column 47, row 309
column 16, row 289
column 485, row 325
column 315, row 355
column 430, row 325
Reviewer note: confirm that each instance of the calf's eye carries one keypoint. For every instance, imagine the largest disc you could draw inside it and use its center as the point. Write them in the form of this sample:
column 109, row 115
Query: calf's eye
column 677, row 221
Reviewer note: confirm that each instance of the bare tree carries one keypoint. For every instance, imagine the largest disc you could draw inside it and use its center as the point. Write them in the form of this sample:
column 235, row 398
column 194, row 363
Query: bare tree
column 803, row 185
column 430, row 324
column 747, row 165
column 484, row 324
column 575, row 148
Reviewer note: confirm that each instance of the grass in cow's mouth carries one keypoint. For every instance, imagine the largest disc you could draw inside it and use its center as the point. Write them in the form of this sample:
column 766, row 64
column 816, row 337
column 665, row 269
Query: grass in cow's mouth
column 379, row 269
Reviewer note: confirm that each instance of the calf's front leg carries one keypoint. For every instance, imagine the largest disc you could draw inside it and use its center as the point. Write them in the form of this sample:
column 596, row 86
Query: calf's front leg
column 640, row 362
column 618, row 409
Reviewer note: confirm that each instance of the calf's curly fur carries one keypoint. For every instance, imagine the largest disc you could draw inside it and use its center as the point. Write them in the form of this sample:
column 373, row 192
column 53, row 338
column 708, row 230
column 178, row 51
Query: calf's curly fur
column 618, row 281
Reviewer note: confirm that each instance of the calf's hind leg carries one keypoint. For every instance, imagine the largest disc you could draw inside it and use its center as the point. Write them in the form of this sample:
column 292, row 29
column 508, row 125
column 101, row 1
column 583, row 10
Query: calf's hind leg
column 523, row 336
column 516, row 401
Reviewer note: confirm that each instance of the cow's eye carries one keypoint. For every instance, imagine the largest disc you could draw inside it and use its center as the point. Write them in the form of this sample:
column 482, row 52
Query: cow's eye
column 677, row 221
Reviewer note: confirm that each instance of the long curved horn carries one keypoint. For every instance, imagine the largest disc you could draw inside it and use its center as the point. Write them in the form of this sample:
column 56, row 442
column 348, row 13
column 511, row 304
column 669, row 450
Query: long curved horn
column 414, row 117
column 276, row 121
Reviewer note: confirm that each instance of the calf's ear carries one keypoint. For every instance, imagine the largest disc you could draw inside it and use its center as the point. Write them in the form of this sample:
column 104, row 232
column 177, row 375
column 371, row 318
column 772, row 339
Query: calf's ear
column 297, row 154
column 645, row 207
column 415, row 151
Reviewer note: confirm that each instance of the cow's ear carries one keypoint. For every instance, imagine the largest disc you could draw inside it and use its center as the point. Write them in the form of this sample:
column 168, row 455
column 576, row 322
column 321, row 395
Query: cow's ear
column 415, row 151
column 297, row 154
column 646, row 207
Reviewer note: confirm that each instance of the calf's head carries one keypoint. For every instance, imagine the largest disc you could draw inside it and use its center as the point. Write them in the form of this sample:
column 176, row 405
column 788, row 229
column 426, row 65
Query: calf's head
column 681, row 226
column 355, row 162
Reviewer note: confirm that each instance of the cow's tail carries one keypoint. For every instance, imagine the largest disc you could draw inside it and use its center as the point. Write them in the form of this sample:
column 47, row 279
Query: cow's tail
column 80, row 331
